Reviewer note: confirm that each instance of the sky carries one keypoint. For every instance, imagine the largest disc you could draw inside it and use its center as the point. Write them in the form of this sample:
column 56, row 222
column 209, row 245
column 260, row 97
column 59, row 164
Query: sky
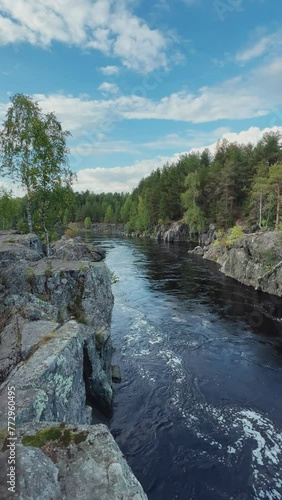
column 138, row 82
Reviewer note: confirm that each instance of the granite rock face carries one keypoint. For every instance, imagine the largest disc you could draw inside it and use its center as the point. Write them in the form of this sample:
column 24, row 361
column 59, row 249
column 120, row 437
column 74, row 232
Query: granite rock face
column 39, row 299
column 255, row 260
column 50, row 384
column 177, row 231
column 56, row 291
column 55, row 349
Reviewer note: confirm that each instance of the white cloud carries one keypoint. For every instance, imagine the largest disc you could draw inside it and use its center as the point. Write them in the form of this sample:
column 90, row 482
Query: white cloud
column 104, row 147
column 104, row 25
column 17, row 191
column 124, row 179
column 252, row 135
column 192, row 139
column 109, row 88
column 116, row 179
column 255, row 94
column 260, row 47
column 109, row 70
column 229, row 100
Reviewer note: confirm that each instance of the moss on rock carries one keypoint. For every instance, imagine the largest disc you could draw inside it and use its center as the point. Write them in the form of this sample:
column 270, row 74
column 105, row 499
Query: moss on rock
column 61, row 434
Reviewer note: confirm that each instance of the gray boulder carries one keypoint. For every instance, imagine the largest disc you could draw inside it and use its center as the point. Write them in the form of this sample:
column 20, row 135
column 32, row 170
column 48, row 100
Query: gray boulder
column 15, row 246
column 197, row 251
column 58, row 366
column 76, row 249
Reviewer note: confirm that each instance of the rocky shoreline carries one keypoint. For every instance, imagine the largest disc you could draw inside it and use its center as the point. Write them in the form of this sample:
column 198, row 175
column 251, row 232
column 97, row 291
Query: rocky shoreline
column 254, row 260
column 55, row 350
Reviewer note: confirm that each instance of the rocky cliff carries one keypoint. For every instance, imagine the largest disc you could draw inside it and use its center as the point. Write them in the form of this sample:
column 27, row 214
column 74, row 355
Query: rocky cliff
column 255, row 260
column 55, row 350
column 177, row 231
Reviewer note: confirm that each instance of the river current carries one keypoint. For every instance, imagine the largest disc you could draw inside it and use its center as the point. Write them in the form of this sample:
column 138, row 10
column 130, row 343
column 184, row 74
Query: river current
column 198, row 414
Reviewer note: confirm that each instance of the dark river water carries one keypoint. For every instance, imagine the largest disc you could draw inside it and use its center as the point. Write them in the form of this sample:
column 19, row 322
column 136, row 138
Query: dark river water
column 198, row 413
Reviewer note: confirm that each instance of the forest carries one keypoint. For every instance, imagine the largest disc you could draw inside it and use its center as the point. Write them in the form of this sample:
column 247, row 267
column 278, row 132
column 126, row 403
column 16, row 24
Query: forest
column 239, row 184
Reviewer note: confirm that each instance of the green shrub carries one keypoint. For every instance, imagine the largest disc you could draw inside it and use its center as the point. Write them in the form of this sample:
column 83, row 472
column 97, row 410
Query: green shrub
column 54, row 236
column 236, row 234
column 87, row 223
column 22, row 226
column 30, row 276
column 269, row 259
column 229, row 239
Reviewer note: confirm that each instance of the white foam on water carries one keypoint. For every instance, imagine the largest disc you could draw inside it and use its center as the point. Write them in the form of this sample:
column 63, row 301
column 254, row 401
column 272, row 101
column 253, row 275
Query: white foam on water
column 243, row 430
column 156, row 340
column 258, row 437
column 177, row 319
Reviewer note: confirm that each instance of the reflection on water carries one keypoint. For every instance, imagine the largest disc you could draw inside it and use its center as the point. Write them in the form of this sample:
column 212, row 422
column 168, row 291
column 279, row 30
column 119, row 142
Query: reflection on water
column 198, row 412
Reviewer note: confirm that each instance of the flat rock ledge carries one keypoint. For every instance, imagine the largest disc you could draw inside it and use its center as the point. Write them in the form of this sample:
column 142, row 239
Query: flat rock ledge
column 63, row 462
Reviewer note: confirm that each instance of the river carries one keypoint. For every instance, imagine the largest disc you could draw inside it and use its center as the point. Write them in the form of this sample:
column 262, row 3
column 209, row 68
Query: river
column 198, row 413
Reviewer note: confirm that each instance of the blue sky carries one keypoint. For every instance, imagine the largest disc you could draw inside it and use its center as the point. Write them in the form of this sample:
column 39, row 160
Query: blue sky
column 137, row 82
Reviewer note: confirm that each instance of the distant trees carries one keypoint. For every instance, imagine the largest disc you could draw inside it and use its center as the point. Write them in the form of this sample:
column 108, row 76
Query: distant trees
column 237, row 183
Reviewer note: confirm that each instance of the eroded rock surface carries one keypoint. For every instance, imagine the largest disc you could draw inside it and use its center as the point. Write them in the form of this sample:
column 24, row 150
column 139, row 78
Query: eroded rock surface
column 255, row 260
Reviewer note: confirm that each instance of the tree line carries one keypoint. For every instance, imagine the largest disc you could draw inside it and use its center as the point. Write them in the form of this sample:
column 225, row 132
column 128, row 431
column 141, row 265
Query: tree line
column 238, row 183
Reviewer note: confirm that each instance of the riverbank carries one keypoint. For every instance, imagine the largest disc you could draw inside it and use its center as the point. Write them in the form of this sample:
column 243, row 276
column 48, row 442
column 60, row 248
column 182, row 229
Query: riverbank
column 254, row 260
column 56, row 355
